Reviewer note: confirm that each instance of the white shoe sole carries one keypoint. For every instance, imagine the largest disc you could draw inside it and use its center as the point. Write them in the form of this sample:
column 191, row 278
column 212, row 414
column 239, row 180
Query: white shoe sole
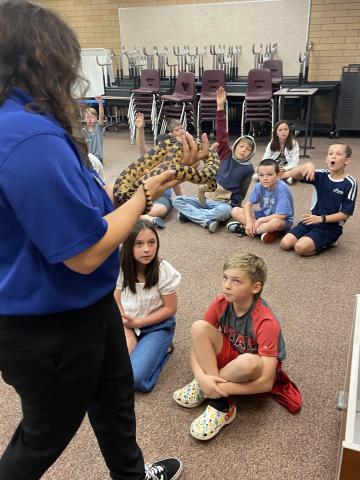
column 212, row 435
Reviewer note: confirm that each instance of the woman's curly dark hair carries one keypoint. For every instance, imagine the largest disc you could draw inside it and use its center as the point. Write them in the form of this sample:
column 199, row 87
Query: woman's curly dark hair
column 40, row 54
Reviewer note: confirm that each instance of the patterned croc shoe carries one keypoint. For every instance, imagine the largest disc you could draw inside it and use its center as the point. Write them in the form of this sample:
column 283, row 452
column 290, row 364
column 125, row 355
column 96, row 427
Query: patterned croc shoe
column 209, row 423
column 189, row 396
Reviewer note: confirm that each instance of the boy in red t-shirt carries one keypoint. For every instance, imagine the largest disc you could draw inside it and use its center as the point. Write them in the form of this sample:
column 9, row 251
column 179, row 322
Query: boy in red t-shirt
column 236, row 350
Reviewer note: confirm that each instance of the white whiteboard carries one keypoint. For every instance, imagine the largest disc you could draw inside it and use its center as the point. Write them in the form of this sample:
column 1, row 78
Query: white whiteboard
column 94, row 73
column 237, row 23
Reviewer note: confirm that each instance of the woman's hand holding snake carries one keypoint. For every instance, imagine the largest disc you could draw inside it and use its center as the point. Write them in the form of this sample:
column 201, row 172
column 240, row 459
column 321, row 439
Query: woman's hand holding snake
column 159, row 183
column 191, row 154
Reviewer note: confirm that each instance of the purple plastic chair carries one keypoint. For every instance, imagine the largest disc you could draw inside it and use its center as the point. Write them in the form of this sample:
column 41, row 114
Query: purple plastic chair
column 211, row 81
column 276, row 68
column 145, row 99
column 149, row 82
column 258, row 105
column 181, row 103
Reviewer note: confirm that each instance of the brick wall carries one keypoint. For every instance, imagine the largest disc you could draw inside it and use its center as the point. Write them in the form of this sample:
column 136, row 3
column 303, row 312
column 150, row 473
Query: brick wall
column 335, row 33
column 334, row 28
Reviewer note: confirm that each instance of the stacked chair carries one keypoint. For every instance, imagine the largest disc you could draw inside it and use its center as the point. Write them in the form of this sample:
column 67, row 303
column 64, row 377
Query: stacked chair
column 258, row 105
column 145, row 99
column 180, row 105
column 206, row 112
column 276, row 68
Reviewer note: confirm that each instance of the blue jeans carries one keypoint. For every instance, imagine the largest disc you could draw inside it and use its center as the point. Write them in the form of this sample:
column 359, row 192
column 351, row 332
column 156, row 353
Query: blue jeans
column 151, row 353
column 202, row 213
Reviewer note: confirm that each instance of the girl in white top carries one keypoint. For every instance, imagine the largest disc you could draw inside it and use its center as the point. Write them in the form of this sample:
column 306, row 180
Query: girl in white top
column 147, row 299
column 283, row 148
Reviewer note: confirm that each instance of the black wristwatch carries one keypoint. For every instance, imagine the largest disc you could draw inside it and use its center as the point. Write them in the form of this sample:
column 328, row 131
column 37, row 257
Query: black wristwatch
column 323, row 218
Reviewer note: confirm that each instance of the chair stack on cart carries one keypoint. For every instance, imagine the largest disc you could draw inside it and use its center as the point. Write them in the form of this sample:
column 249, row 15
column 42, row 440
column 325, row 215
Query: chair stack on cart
column 258, row 106
column 145, row 99
column 180, row 105
column 206, row 112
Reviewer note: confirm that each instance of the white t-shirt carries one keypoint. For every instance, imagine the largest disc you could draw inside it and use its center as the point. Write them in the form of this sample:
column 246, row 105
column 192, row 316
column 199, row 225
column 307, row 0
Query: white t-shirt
column 145, row 301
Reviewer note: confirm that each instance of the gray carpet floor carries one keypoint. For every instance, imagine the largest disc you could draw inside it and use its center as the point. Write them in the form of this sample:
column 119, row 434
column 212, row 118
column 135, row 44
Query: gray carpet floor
column 315, row 299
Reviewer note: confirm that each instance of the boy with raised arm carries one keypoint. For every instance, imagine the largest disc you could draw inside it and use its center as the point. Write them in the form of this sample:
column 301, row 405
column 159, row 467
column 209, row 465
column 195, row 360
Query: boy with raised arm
column 233, row 178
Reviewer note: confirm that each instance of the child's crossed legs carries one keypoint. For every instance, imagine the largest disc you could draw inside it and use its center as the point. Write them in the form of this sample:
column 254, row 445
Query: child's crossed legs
column 213, row 355
column 261, row 226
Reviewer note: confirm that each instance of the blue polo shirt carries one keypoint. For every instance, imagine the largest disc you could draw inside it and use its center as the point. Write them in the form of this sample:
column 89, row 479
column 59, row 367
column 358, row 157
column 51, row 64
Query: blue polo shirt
column 51, row 209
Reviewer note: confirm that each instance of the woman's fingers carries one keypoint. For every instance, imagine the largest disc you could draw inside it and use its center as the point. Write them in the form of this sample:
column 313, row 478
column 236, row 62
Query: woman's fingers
column 186, row 148
column 159, row 183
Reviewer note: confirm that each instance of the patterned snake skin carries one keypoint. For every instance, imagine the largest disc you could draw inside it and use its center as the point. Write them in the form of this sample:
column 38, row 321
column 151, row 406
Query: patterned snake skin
column 167, row 155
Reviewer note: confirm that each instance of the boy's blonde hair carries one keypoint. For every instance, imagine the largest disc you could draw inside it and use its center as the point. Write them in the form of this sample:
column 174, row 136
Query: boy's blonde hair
column 249, row 264
column 173, row 123
column 348, row 149
column 248, row 141
column 91, row 110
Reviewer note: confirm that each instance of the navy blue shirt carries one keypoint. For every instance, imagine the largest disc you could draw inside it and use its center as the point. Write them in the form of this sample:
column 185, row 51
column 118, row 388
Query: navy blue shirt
column 51, row 209
column 333, row 196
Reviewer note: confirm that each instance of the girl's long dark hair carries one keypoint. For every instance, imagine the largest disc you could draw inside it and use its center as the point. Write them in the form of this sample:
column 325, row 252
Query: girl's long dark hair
column 128, row 262
column 40, row 54
column 275, row 143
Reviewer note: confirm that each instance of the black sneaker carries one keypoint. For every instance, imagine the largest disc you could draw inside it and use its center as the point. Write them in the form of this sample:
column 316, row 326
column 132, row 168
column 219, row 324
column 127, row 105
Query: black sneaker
column 158, row 222
column 182, row 218
column 166, row 469
column 236, row 227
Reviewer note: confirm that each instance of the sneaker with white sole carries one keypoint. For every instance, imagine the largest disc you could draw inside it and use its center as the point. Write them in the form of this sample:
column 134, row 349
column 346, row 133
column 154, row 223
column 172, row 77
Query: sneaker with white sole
column 158, row 222
column 236, row 227
column 182, row 218
column 269, row 237
column 189, row 396
column 211, row 421
column 166, row 469
column 290, row 181
column 212, row 225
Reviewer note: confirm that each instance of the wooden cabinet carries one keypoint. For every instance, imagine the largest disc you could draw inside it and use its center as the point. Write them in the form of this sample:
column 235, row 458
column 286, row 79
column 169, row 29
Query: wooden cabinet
column 349, row 450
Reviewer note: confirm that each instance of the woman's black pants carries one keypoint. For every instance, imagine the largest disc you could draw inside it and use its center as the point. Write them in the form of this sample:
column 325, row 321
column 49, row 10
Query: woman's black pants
column 64, row 366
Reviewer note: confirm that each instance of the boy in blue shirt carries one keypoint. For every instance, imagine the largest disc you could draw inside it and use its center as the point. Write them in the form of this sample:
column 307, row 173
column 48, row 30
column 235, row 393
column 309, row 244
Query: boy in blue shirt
column 276, row 213
column 332, row 205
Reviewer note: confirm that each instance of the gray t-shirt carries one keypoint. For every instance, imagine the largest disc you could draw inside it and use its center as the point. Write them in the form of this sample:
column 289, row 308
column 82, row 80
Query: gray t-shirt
column 94, row 140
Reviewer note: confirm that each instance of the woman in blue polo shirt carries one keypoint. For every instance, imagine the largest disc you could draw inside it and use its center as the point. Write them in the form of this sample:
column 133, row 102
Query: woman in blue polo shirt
column 62, row 344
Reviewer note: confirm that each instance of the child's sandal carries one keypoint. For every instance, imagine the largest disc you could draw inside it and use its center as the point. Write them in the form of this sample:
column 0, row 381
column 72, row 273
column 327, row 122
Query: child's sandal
column 211, row 421
column 189, row 396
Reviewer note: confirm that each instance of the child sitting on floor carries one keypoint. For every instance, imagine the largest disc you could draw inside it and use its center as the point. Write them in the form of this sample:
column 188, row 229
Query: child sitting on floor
column 276, row 213
column 333, row 203
column 236, row 350
column 147, row 299
column 233, row 177
column 283, row 148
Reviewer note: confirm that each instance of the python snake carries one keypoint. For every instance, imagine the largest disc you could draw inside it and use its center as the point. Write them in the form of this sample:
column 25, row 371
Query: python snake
column 166, row 155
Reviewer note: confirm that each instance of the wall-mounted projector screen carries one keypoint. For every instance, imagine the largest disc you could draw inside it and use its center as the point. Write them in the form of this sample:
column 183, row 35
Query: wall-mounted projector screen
column 237, row 23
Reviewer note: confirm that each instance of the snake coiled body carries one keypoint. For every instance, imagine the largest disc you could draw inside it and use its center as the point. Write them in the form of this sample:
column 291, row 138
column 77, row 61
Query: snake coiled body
column 167, row 155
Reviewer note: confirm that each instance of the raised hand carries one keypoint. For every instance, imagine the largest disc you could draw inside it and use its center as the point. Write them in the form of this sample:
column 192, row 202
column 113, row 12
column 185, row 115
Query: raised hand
column 220, row 98
column 139, row 120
